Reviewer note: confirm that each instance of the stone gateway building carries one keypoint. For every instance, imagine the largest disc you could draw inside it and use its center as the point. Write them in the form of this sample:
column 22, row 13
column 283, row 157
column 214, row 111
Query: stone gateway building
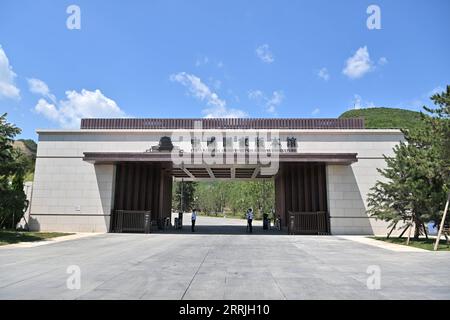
column 115, row 175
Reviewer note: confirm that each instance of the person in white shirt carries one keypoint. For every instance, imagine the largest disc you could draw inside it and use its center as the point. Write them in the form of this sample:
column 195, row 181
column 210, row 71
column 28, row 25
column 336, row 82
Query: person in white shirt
column 193, row 218
column 249, row 216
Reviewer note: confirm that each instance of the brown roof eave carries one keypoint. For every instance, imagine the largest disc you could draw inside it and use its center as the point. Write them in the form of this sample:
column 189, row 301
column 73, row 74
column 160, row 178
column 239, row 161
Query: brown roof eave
column 115, row 157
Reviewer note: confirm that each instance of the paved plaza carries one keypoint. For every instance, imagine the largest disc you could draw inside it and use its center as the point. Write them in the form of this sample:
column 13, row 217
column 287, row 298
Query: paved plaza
column 220, row 261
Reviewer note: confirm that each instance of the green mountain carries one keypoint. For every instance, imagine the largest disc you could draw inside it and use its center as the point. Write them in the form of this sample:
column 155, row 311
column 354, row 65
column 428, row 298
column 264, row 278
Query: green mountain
column 29, row 149
column 27, row 146
column 392, row 118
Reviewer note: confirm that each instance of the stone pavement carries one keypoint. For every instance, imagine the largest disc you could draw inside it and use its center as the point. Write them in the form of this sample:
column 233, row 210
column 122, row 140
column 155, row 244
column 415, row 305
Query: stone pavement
column 227, row 265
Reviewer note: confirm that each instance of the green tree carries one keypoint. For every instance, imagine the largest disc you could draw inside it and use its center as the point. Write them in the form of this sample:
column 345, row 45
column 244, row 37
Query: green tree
column 204, row 197
column 221, row 196
column 212, row 197
column 440, row 124
column 415, row 184
column 259, row 195
column 183, row 191
column 240, row 198
column 13, row 165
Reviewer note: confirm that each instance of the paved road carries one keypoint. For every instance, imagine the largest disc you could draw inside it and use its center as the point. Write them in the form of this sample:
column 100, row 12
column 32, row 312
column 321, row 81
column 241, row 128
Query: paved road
column 220, row 225
column 220, row 266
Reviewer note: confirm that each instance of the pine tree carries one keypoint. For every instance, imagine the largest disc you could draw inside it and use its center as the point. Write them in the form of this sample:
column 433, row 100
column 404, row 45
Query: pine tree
column 416, row 179
column 440, row 122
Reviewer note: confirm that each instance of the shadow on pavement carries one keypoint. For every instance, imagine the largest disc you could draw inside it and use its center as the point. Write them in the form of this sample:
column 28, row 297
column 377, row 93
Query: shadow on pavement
column 220, row 229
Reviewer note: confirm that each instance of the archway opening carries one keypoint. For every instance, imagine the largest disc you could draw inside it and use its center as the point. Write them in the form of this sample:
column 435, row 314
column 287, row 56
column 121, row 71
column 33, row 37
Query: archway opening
column 222, row 206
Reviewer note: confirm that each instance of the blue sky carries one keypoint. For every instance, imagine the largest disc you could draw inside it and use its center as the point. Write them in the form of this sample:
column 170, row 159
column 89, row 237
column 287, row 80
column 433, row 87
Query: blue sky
column 201, row 58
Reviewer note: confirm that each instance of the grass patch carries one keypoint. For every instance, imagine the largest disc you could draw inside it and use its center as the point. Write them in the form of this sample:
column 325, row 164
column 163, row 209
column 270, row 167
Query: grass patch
column 10, row 237
column 427, row 244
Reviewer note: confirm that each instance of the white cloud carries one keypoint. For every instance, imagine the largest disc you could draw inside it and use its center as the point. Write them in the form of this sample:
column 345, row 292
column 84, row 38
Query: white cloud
column 224, row 112
column 198, row 89
column 255, row 95
column 323, row 74
column 357, row 101
column 276, row 99
column 315, row 112
column 8, row 88
column 270, row 103
column 217, row 106
column 40, row 87
column 263, row 52
column 78, row 105
column 382, row 61
column 201, row 61
column 359, row 64
column 48, row 110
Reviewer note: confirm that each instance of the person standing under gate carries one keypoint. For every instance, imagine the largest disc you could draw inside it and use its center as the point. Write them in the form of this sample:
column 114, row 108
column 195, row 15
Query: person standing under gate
column 193, row 218
column 249, row 216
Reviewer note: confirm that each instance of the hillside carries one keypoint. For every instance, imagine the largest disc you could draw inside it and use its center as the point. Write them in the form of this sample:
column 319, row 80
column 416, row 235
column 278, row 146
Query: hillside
column 29, row 148
column 385, row 117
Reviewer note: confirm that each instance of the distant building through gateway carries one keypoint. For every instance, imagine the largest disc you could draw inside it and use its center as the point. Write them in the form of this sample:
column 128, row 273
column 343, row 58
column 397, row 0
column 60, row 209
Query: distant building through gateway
column 116, row 175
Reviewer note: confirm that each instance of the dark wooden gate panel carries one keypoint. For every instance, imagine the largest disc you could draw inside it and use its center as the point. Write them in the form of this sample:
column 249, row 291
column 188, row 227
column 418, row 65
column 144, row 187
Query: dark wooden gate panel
column 301, row 198
column 308, row 223
column 140, row 189
column 131, row 221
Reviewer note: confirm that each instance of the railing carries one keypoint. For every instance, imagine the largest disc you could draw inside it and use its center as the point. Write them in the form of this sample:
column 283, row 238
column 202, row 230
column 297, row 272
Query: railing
column 223, row 123
column 131, row 221
column 308, row 223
